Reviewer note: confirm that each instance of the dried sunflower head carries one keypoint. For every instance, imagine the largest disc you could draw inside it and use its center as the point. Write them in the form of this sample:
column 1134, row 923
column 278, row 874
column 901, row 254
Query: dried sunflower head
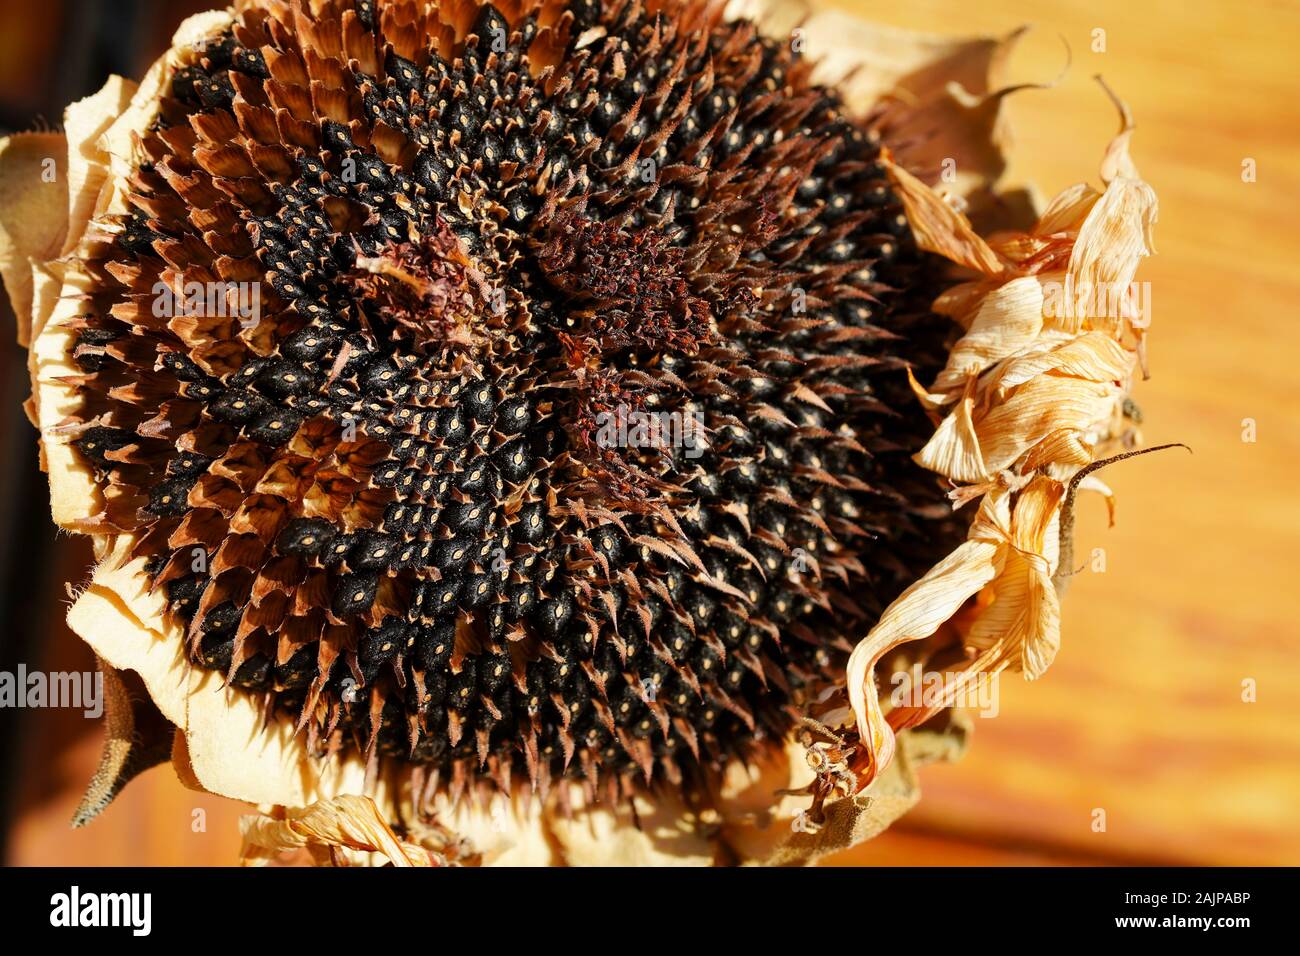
column 508, row 412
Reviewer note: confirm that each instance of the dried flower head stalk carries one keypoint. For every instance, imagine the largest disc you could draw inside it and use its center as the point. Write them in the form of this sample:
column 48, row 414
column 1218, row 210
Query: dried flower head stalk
column 505, row 411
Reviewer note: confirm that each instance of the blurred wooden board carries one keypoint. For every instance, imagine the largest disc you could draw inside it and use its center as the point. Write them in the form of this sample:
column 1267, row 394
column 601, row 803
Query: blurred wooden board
column 1141, row 715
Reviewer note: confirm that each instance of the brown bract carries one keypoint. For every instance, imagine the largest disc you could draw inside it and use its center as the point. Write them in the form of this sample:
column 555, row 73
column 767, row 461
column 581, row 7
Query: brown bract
column 1024, row 403
column 426, row 285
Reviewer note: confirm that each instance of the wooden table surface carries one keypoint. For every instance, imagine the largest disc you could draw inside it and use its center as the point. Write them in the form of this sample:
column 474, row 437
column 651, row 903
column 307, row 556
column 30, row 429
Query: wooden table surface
column 1142, row 716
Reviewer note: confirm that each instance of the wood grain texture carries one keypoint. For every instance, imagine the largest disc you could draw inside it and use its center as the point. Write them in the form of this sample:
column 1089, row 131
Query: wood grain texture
column 1142, row 714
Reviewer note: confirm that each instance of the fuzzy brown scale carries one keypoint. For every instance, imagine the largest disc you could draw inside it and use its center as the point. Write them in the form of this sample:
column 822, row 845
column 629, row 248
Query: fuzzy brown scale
column 382, row 505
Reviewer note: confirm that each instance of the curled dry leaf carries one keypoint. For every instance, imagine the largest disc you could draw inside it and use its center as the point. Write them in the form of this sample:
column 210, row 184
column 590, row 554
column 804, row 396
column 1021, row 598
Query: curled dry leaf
column 344, row 823
column 1033, row 392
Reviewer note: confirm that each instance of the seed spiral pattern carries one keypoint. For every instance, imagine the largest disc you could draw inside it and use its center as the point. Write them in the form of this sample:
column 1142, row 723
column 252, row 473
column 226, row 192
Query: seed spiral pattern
column 478, row 233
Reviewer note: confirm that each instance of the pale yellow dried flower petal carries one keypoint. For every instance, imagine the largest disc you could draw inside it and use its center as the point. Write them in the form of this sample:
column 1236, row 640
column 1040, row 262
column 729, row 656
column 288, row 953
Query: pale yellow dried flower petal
column 954, row 448
column 1003, row 323
column 939, row 228
column 1037, row 409
column 1028, row 411
column 32, row 223
column 1063, row 214
column 919, row 611
column 1023, row 622
column 350, row 822
column 645, row 831
column 1112, row 240
column 86, row 121
column 1093, row 357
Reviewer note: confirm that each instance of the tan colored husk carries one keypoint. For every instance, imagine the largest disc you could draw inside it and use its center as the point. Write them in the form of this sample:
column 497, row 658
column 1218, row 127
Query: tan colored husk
column 934, row 97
